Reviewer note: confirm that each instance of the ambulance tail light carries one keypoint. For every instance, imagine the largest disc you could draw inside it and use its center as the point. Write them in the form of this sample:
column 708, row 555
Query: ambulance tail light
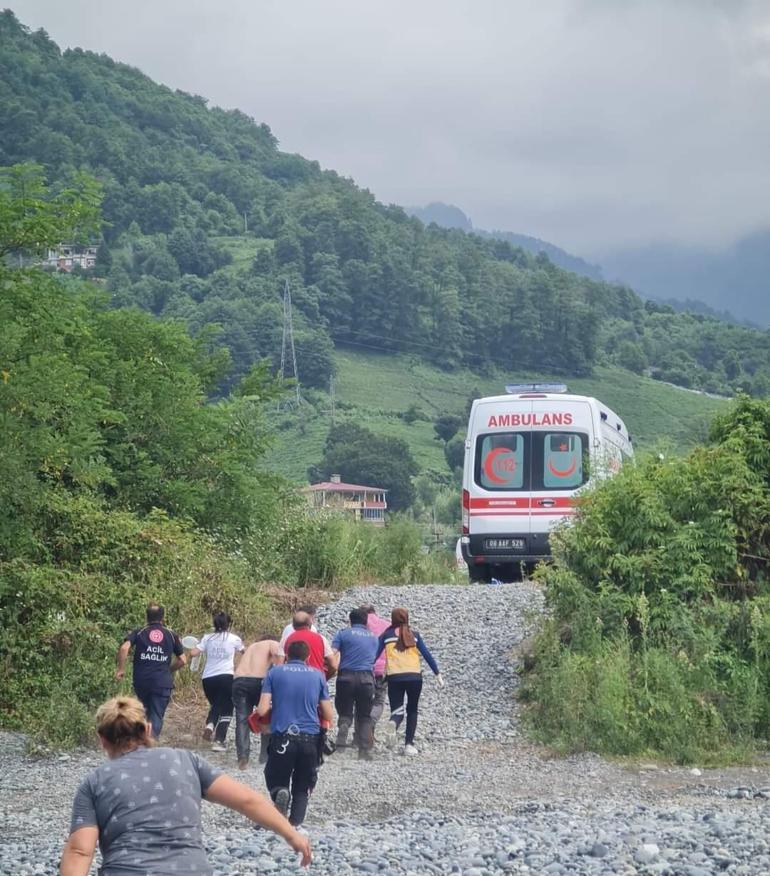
column 466, row 512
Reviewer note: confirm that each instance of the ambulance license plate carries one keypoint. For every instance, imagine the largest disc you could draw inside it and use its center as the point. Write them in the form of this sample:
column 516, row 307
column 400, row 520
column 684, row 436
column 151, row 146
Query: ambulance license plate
column 503, row 544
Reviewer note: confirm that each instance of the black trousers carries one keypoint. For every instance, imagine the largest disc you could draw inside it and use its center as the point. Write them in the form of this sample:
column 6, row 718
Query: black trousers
column 246, row 693
column 292, row 763
column 355, row 698
column 155, row 703
column 399, row 688
column 219, row 693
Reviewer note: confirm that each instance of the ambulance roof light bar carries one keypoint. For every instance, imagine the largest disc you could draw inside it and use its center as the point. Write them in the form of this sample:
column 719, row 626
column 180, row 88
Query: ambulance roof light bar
column 519, row 388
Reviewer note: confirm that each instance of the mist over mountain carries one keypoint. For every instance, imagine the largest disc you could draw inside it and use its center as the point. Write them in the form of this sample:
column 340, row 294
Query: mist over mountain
column 444, row 215
column 736, row 279
column 687, row 280
column 450, row 216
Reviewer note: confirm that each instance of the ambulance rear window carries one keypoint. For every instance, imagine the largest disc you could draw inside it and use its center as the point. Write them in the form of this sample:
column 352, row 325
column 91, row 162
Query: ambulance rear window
column 531, row 460
column 501, row 461
column 562, row 460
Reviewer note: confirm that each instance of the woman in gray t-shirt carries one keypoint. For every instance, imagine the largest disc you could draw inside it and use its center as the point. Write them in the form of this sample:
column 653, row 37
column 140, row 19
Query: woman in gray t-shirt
column 143, row 805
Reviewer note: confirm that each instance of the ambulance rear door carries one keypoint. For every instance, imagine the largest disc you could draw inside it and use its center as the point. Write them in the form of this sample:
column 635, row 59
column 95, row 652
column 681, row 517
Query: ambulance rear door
column 500, row 478
column 562, row 447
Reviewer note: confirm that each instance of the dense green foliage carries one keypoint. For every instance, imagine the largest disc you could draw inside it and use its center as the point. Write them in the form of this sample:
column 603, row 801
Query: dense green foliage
column 120, row 483
column 330, row 551
column 206, row 219
column 111, row 402
column 30, row 215
column 113, row 466
column 63, row 617
column 360, row 456
column 660, row 632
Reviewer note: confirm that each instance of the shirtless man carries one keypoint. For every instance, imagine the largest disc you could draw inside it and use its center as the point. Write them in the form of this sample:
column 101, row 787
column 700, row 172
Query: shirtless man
column 247, row 688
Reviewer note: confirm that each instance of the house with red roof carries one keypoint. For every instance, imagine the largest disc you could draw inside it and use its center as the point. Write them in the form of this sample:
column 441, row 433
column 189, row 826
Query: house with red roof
column 366, row 504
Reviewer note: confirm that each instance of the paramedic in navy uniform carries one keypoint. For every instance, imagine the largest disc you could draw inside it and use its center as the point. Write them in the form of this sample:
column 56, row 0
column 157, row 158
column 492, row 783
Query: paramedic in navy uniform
column 157, row 654
column 296, row 693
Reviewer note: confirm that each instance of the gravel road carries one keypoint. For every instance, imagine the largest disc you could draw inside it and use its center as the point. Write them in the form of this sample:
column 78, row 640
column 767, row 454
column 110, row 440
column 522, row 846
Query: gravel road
column 479, row 799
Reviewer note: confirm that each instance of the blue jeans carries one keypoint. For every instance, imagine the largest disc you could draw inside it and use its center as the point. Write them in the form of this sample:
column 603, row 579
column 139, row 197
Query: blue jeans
column 155, row 703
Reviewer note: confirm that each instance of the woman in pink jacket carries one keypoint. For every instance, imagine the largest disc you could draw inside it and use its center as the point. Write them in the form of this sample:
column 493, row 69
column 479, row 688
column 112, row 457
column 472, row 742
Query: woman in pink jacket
column 377, row 625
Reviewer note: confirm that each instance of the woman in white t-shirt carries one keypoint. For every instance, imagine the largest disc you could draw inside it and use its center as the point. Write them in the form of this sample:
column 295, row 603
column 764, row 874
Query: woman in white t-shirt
column 220, row 648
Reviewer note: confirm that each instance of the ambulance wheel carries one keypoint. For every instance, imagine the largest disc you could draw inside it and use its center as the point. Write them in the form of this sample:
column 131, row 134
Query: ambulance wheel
column 478, row 574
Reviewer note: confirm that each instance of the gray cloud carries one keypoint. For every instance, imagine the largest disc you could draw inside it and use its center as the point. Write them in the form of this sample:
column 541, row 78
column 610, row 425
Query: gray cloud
column 595, row 124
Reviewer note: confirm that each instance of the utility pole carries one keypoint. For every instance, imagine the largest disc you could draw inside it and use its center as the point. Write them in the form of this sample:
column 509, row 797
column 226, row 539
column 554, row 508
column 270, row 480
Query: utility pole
column 245, row 223
column 287, row 348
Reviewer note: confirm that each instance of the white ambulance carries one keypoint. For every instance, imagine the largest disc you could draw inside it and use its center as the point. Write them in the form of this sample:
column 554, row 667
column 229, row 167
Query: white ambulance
column 528, row 455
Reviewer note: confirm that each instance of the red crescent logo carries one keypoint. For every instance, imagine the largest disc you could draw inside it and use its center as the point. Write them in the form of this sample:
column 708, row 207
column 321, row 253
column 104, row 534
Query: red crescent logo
column 558, row 473
column 489, row 462
column 156, row 636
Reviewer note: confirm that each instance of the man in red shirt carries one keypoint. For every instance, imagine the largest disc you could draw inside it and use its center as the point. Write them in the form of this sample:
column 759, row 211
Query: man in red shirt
column 321, row 655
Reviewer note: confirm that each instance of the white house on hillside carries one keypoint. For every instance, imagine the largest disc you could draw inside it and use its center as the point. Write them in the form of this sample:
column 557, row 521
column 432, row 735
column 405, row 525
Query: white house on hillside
column 67, row 256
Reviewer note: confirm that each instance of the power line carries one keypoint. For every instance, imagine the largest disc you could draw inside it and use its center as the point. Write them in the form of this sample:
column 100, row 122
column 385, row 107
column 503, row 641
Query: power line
column 557, row 368
column 251, row 333
column 394, row 349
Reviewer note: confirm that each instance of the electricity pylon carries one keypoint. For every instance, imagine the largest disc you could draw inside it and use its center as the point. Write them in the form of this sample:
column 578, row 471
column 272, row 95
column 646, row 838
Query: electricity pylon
column 288, row 351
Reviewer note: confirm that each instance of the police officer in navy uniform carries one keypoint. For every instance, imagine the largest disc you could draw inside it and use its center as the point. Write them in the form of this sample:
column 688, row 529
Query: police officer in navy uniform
column 158, row 653
column 357, row 648
column 299, row 698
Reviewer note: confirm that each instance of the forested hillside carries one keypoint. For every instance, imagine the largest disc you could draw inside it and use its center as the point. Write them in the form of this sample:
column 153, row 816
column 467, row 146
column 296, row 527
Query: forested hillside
column 205, row 219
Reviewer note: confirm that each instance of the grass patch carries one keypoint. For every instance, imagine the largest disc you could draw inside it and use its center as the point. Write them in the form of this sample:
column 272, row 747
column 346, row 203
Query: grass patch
column 242, row 249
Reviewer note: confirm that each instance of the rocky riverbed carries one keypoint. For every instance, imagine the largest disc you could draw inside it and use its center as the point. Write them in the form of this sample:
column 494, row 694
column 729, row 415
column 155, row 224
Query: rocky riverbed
column 479, row 798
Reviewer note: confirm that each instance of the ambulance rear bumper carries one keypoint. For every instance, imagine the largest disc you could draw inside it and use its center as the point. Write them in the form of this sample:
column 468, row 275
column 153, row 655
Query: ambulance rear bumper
column 535, row 548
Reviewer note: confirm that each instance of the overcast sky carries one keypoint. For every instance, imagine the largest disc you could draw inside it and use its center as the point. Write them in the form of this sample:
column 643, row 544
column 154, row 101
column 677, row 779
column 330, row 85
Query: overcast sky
column 595, row 124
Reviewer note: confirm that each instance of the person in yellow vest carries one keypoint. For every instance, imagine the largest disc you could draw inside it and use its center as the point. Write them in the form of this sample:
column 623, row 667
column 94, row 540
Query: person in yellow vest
column 403, row 648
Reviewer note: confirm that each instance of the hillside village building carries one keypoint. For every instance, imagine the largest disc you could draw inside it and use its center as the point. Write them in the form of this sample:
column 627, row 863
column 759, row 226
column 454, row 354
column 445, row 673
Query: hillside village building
column 67, row 257
column 367, row 504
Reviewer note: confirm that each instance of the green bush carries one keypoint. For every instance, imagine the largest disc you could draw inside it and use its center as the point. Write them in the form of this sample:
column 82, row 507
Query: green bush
column 658, row 638
column 121, row 483
column 63, row 620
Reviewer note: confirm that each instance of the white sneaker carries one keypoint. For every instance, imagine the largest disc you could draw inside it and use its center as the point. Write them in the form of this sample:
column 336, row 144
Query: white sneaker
column 208, row 731
column 219, row 746
column 410, row 750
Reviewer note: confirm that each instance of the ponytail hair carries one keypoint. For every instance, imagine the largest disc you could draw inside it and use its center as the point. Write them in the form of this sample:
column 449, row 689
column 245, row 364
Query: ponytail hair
column 122, row 723
column 399, row 617
column 222, row 621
